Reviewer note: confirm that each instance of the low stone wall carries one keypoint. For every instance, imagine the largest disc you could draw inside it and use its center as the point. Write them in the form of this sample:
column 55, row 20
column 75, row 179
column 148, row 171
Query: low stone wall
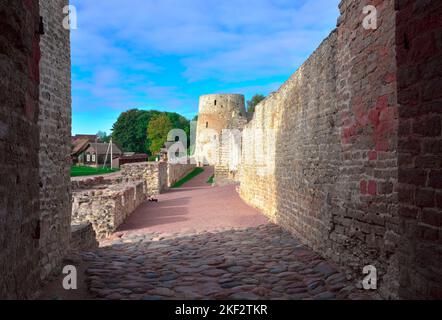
column 159, row 176
column 105, row 202
column 89, row 183
column 153, row 173
column 107, row 206
column 83, row 237
column 175, row 172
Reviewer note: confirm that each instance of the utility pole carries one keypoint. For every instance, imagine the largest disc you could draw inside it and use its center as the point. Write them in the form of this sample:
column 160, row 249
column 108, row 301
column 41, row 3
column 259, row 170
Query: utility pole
column 96, row 152
column 107, row 153
column 112, row 154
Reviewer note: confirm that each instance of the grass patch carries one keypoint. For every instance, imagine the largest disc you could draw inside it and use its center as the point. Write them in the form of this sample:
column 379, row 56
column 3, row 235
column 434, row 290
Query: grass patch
column 187, row 178
column 88, row 171
column 211, row 180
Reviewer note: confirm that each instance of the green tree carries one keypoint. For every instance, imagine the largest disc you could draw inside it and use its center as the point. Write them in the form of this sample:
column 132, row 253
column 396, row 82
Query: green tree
column 157, row 131
column 124, row 131
column 130, row 130
column 179, row 122
column 141, row 128
column 256, row 99
column 102, row 135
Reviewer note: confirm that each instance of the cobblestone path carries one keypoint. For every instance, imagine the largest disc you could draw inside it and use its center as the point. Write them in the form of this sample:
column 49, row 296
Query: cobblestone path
column 255, row 263
column 203, row 242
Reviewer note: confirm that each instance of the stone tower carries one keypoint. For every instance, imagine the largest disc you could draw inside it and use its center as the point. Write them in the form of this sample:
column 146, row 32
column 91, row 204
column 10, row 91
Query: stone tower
column 216, row 113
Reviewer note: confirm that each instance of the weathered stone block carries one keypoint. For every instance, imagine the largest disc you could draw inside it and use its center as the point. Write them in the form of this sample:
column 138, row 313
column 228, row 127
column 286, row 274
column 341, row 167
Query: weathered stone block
column 83, row 237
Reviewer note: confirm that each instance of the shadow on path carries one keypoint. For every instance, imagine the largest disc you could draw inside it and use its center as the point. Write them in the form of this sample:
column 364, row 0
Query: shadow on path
column 196, row 206
column 255, row 263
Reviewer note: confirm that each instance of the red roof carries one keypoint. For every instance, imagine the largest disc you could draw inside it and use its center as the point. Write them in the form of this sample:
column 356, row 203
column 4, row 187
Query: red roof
column 137, row 156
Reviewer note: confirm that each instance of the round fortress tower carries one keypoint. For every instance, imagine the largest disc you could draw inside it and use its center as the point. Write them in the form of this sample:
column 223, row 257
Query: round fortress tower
column 216, row 113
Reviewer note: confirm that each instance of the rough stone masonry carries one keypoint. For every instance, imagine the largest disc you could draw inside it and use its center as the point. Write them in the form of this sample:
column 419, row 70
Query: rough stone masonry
column 217, row 112
column 332, row 175
column 35, row 129
column 355, row 174
column 55, row 136
column 356, row 171
column 19, row 148
column 419, row 81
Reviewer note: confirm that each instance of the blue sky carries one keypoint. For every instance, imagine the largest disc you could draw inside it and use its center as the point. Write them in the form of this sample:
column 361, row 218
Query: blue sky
column 164, row 54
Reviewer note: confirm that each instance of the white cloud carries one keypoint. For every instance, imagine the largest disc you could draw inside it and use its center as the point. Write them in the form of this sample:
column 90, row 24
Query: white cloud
column 163, row 53
column 215, row 39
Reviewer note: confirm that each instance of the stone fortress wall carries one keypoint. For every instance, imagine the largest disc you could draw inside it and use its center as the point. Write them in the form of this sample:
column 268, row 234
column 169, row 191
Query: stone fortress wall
column 55, row 135
column 19, row 148
column 419, row 83
column 331, row 177
column 353, row 148
column 321, row 156
column 35, row 133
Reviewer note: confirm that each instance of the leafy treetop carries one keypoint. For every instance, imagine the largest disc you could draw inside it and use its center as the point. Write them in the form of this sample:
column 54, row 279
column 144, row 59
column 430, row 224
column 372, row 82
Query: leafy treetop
column 157, row 131
column 256, row 99
column 130, row 130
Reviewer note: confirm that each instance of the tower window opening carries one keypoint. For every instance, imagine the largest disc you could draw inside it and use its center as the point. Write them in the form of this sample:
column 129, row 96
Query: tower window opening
column 207, row 124
column 215, row 102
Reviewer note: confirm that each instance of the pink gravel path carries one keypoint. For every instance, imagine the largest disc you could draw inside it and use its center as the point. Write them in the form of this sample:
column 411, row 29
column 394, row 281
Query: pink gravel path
column 195, row 207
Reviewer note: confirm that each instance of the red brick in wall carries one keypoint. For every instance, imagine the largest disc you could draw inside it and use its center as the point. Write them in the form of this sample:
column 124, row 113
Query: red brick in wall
column 419, row 60
column 19, row 145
